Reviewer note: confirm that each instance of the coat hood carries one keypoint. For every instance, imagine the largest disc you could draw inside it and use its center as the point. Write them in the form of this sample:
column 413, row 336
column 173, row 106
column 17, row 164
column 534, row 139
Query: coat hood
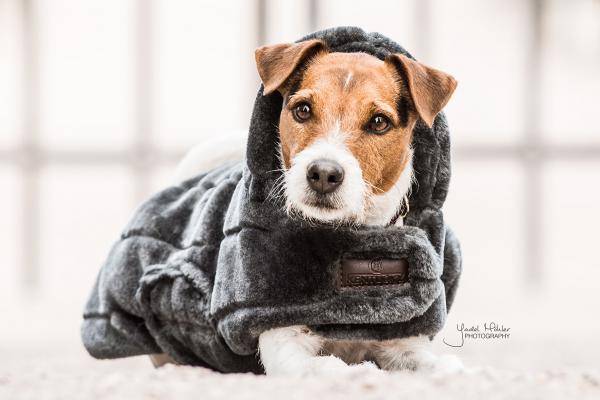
column 431, row 158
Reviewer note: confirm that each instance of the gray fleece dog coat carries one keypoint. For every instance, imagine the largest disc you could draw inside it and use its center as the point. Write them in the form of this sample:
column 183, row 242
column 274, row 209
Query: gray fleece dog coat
column 206, row 266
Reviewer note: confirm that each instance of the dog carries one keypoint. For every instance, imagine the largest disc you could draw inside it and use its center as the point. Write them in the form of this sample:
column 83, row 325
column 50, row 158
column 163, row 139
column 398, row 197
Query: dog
column 345, row 133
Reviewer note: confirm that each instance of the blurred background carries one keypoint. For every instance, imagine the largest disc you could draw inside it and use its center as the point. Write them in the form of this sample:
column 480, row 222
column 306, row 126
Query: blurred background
column 100, row 99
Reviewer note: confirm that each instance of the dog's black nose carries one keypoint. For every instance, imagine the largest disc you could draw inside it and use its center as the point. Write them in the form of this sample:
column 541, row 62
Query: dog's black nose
column 324, row 176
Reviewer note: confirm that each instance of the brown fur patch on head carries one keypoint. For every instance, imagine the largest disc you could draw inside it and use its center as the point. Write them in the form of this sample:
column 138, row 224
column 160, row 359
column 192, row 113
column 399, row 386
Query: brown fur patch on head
column 345, row 91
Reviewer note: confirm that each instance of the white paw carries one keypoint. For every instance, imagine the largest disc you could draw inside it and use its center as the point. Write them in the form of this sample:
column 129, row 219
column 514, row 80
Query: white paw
column 331, row 365
column 366, row 367
column 325, row 365
column 411, row 360
column 448, row 364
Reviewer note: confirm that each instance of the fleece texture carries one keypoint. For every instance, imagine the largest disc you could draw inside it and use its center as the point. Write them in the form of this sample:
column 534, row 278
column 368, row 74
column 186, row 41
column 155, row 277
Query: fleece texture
column 205, row 267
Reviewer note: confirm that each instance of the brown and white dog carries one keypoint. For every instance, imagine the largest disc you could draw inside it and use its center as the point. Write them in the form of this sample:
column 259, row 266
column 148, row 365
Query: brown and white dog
column 345, row 132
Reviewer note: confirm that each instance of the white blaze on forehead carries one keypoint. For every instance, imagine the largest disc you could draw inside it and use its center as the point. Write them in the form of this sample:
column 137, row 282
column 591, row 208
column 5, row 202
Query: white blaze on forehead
column 336, row 136
column 348, row 79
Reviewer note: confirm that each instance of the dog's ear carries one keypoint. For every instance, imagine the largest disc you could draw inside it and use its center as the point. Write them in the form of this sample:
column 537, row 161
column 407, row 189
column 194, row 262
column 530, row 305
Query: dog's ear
column 430, row 89
column 276, row 63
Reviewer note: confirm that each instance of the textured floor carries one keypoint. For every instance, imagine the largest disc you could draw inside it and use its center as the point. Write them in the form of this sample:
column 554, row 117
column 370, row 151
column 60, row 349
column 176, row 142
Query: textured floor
column 27, row 375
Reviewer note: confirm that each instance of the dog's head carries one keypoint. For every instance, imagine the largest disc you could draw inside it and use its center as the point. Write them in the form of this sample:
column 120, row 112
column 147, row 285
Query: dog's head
column 346, row 127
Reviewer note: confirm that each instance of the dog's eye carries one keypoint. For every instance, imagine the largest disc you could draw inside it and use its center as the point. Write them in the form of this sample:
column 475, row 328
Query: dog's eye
column 302, row 112
column 379, row 124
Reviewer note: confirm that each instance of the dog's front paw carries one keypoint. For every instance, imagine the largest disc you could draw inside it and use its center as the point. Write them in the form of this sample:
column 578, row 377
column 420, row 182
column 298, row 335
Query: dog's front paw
column 331, row 365
column 448, row 364
column 410, row 360
column 424, row 361
column 325, row 365
column 413, row 354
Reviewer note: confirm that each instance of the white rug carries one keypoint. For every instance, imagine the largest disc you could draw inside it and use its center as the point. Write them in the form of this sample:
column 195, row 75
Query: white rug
column 76, row 376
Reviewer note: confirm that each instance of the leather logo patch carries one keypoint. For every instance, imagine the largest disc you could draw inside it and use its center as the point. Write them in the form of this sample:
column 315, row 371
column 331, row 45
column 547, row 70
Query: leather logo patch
column 374, row 272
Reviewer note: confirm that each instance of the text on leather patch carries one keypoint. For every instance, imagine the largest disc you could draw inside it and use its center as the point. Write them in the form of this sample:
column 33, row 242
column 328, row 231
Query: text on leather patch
column 373, row 272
